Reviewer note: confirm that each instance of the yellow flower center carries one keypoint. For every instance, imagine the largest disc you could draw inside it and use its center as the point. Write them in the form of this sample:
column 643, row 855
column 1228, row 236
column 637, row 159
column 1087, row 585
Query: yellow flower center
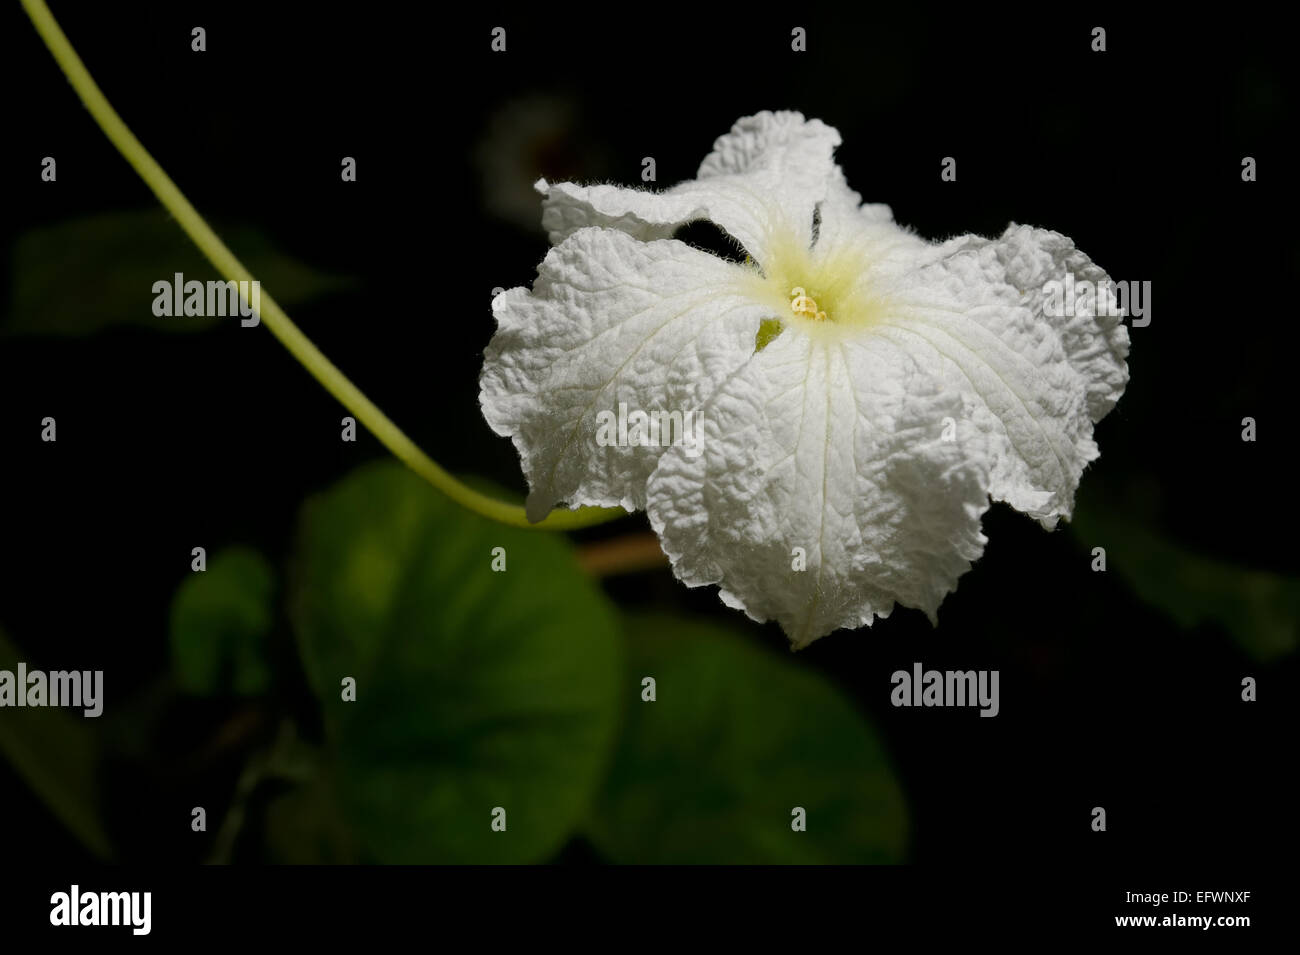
column 801, row 303
column 819, row 291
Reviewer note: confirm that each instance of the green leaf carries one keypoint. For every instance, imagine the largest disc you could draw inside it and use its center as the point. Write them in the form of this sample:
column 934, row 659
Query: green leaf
column 88, row 274
column 736, row 738
column 220, row 622
column 58, row 755
column 474, row 689
column 1258, row 609
column 305, row 826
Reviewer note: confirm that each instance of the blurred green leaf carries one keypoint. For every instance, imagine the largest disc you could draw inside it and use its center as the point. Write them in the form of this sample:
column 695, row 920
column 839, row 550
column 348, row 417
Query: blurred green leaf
column 475, row 689
column 302, row 825
column 57, row 753
column 305, row 826
column 736, row 739
column 1258, row 609
column 220, row 622
column 88, row 274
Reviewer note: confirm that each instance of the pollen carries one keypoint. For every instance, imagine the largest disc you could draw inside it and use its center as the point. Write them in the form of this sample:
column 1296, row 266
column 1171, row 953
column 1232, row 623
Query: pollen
column 803, row 304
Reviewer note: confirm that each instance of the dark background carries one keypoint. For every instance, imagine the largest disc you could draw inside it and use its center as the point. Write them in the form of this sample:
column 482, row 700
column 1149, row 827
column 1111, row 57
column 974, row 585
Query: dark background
column 166, row 441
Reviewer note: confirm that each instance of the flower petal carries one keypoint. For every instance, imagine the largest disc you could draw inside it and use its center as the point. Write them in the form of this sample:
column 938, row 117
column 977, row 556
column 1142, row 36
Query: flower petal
column 763, row 180
column 842, row 215
column 1096, row 345
column 1034, row 385
column 610, row 320
column 834, row 444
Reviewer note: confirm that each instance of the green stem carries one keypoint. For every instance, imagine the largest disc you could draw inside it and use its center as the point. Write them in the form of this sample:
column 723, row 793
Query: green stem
column 273, row 317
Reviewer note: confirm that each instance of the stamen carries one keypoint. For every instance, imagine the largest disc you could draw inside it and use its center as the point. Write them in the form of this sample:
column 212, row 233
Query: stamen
column 802, row 304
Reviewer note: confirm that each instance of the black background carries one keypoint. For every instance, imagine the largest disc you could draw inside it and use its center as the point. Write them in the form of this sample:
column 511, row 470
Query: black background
column 170, row 441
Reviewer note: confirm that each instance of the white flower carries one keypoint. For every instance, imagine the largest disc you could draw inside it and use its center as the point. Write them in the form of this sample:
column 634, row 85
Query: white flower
column 908, row 384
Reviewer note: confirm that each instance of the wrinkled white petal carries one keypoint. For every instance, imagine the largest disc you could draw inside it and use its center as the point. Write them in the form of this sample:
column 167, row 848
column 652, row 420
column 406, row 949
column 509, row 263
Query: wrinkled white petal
column 1033, row 385
column 842, row 215
column 833, row 445
column 1096, row 345
column 762, row 182
column 610, row 320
